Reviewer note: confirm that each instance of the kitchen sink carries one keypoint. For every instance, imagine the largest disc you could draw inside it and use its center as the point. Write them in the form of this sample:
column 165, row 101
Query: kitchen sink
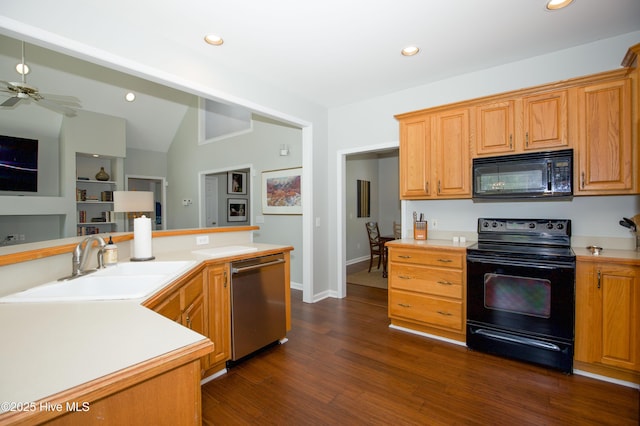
column 145, row 268
column 123, row 281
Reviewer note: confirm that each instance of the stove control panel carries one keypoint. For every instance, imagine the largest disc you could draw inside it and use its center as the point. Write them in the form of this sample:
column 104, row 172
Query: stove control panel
column 559, row 227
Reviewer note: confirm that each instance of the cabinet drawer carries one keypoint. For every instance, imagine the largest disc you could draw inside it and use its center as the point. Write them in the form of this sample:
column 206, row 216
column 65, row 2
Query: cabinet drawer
column 426, row 309
column 433, row 257
column 435, row 281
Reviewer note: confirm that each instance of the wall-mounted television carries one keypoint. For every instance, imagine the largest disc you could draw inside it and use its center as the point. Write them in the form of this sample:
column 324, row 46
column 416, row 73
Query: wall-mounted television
column 18, row 164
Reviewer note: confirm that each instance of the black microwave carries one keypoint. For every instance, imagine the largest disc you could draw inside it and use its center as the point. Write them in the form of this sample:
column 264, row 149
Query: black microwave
column 539, row 175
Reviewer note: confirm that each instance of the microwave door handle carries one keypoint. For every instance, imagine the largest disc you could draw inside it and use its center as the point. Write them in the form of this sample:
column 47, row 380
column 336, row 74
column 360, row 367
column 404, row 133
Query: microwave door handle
column 549, row 176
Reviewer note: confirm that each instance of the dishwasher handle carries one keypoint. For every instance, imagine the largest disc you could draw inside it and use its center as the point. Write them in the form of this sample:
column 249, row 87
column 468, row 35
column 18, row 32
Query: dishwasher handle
column 255, row 266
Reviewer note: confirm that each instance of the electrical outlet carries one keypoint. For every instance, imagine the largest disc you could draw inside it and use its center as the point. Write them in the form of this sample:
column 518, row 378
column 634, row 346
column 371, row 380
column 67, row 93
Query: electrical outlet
column 202, row 240
column 434, row 223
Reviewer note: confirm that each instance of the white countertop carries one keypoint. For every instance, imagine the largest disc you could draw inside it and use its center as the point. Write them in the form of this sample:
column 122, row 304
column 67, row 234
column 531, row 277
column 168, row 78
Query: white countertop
column 51, row 347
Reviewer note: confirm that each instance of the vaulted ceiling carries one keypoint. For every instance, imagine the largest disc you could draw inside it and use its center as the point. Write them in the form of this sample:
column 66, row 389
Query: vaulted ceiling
column 330, row 52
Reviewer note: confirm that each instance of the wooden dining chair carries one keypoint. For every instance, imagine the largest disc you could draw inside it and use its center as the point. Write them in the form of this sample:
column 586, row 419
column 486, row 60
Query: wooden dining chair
column 376, row 246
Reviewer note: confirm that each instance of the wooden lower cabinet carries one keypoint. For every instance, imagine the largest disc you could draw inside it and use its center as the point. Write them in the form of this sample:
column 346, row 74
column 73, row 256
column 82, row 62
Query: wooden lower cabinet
column 607, row 319
column 188, row 305
column 218, row 295
column 427, row 288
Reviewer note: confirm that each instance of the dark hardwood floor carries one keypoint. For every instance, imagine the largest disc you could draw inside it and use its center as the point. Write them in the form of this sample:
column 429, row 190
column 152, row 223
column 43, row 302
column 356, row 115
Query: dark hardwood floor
column 344, row 365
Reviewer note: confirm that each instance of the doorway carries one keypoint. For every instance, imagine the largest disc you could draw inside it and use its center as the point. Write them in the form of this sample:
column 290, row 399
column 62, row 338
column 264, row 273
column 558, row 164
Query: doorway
column 157, row 185
column 215, row 196
column 343, row 207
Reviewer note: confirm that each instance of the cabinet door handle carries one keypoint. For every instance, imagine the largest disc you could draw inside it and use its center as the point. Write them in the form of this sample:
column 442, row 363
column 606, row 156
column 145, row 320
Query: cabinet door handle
column 404, row 277
column 445, row 260
column 439, row 186
column 599, row 278
column 510, row 141
column 582, row 180
column 444, row 282
column 225, row 279
column 446, row 314
column 404, row 305
column 404, row 256
column 526, row 139
column 188, row 321
column 426, row 186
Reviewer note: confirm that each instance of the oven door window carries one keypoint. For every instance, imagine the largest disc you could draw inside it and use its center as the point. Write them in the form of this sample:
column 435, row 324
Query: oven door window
column 519, row 295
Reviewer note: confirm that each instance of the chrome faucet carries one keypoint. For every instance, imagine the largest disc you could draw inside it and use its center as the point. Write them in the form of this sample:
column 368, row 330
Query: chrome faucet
column 81, row 253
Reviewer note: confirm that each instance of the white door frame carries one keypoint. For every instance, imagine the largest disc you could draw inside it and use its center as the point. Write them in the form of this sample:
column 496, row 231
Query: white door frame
column 341, row 159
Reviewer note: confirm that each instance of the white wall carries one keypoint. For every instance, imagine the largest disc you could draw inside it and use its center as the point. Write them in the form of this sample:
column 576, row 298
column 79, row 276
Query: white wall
column 356, row 125
column 260, row 149
column 372, row 122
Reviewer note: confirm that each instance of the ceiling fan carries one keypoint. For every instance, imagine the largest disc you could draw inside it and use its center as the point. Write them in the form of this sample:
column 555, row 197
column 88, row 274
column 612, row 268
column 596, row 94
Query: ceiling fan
column 21, row 91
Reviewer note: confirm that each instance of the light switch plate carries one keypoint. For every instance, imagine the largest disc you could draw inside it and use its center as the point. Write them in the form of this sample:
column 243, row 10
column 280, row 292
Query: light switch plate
column 202, row 240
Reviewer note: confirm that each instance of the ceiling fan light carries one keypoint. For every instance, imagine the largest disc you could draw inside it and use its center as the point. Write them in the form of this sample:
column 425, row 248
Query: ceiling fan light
column 22, row 68
column 558, row 4
column 130, row 97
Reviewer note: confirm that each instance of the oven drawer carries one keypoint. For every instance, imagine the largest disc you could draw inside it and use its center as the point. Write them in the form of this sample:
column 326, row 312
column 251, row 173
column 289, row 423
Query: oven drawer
column 435, row 281
column 426, row 309
column 427, row 257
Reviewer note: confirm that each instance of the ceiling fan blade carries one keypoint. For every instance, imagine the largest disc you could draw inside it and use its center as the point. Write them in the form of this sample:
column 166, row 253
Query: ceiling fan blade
column 70, row 101
column 10, row 102
column 56, row 108
column 6, row 83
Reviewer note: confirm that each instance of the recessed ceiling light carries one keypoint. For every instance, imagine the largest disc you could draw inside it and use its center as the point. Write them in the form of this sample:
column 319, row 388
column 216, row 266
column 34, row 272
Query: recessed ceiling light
column 22, row 68
column 410, row 51
column 558, row 4
column 213, row 39
column 130, row 97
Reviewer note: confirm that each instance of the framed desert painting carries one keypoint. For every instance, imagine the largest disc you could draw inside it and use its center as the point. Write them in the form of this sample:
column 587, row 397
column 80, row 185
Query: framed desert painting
column 282, row 191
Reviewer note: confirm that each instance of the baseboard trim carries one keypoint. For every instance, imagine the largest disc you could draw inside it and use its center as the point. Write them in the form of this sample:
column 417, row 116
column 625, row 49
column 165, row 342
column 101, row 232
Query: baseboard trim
column 606, row 379
column 430, row 336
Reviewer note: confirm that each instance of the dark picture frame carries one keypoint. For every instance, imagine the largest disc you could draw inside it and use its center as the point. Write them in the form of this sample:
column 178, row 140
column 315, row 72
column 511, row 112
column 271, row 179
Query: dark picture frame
column 364, row 198
column 236, row 182
column 236, row 210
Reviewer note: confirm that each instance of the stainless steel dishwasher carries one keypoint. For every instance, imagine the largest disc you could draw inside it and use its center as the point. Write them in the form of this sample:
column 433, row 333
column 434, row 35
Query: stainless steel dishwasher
column 258, row 311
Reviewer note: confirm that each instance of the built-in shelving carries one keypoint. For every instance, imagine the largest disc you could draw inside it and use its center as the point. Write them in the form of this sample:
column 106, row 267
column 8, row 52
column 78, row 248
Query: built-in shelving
column 94, row 206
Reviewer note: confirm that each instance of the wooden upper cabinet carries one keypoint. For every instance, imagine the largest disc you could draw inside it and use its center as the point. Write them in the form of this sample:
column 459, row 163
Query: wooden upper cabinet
column 435, row 155
column 452, row 154
column 545, row 121
column 415, row 158
column 605, row 152
column 495, row 128
column 522, row 124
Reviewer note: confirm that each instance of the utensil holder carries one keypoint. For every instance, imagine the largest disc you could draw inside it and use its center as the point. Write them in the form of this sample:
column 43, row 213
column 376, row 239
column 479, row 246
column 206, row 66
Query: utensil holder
column 420, row 230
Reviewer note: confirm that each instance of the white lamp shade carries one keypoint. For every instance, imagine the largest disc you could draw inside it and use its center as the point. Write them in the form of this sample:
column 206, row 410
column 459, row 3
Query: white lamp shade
column 133, row 201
